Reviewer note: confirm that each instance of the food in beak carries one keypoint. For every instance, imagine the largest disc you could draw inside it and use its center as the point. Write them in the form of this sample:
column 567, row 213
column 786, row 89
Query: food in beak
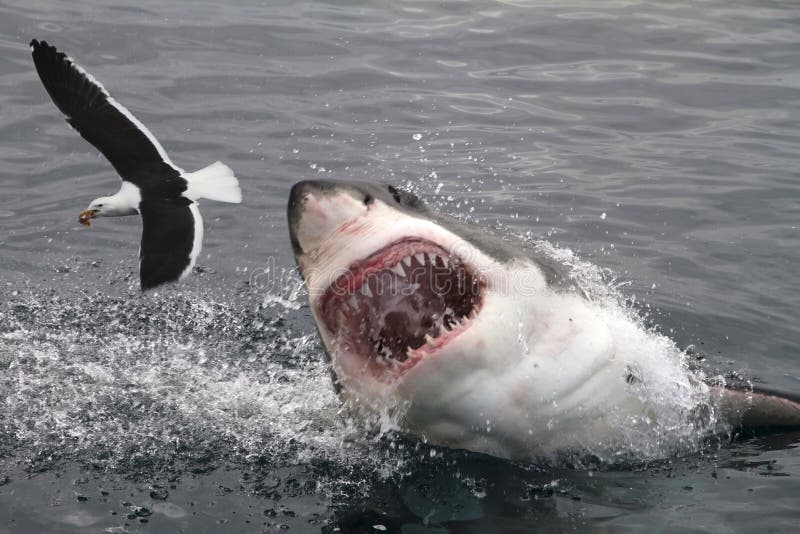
column 85, row 216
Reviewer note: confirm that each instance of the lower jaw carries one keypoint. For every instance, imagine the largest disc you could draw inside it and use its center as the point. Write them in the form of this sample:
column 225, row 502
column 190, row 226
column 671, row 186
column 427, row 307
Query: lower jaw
column 391, row 372
column 386, row 372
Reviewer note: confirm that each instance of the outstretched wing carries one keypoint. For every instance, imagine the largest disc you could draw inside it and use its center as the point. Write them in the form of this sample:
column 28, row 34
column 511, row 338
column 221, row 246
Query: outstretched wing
column 172, row 236
column 124, row 141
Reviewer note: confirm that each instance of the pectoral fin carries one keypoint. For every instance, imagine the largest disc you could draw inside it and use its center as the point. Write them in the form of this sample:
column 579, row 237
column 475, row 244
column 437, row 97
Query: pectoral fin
column 759, row 409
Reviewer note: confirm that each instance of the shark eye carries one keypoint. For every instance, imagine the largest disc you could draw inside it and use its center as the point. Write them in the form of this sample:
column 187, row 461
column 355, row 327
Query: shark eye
column 99, row 205
column 368, row 199
column 396, row 194
column 404, row 198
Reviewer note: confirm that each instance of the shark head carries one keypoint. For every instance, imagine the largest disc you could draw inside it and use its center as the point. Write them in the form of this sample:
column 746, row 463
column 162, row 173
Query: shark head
column 483, row 343
column 388, row 286
column 459, row 326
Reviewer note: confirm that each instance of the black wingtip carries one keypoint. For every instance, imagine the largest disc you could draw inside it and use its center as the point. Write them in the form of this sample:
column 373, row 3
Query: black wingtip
column 73, row 91
column 36, row 48
column 39, row 47
column 45, row 56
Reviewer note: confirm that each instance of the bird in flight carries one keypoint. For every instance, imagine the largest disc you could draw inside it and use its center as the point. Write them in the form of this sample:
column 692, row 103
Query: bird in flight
column 152, row 186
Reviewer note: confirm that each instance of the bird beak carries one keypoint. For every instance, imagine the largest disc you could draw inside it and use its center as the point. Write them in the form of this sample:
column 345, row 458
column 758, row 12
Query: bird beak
column 85, row 216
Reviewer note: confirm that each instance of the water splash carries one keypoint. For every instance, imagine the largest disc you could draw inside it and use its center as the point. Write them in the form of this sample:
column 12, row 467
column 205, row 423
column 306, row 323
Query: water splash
column 184, row 378
column 159, row 379
column 682, row 417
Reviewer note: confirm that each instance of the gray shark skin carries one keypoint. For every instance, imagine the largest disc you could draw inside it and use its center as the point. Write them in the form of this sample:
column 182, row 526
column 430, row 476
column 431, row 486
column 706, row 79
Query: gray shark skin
column 440, row 329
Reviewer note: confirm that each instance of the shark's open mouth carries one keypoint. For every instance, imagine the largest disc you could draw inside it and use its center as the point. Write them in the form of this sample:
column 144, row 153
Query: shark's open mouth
column 404, row 298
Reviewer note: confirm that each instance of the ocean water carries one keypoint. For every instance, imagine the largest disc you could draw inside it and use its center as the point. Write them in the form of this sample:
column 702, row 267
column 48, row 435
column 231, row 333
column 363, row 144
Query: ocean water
column 658, row 141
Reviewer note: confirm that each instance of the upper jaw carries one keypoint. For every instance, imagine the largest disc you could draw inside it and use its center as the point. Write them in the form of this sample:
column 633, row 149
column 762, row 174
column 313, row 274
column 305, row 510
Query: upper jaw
column 360, row 237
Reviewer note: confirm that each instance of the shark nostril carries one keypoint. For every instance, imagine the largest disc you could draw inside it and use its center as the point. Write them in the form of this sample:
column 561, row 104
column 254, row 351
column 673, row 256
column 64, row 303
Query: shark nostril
column 300, row 193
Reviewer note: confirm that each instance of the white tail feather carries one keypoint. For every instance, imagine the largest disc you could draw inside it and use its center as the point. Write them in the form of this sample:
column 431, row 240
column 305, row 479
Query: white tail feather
column 215, row 182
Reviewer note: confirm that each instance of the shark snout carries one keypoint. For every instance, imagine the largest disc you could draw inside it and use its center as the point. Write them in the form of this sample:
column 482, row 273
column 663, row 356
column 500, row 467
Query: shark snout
column 317, row 208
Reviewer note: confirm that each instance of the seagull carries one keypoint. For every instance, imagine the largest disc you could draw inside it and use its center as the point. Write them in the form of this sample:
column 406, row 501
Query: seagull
column 152, row 186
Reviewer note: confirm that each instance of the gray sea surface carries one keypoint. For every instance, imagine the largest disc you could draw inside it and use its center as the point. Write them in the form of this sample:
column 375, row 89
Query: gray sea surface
column 657, row 140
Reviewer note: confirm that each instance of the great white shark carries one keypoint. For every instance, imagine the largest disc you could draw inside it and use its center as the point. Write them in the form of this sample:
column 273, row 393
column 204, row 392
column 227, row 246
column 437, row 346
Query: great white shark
column 473, row 341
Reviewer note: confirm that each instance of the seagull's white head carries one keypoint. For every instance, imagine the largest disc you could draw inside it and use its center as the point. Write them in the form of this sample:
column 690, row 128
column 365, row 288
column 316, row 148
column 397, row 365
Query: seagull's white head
column 113, row 206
